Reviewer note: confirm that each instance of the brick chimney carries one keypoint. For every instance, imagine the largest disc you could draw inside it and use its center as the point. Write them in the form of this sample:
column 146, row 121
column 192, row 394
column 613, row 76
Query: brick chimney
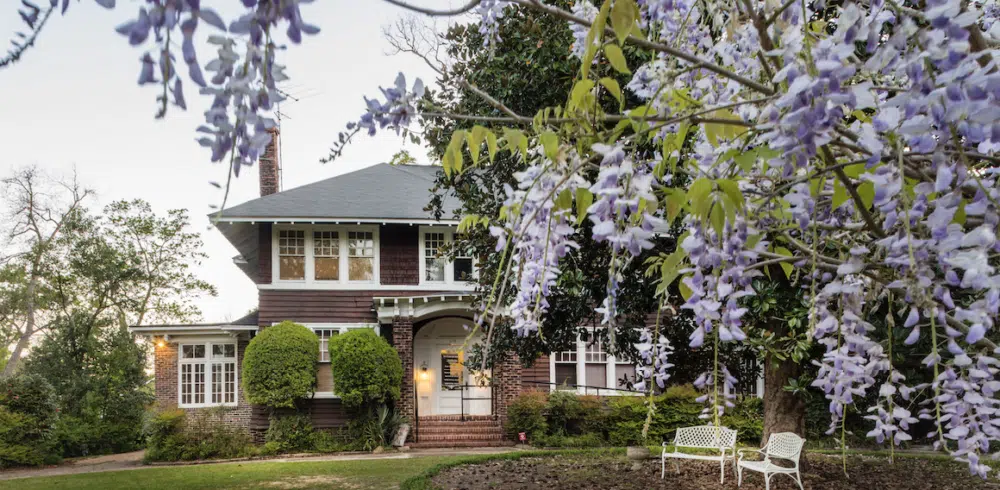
column 270, row 167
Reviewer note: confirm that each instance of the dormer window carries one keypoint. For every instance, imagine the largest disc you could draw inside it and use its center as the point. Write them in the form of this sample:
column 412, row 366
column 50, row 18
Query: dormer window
column 435, row 268
column 326, row 254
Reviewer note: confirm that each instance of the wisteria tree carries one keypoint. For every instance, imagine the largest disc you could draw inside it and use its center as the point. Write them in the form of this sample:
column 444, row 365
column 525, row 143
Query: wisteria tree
column 854, row 141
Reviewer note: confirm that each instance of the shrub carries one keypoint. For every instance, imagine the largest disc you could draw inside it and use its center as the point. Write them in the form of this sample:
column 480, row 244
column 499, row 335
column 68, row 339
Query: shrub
column 290, row 432
column 28, row 414
column 328, row 442
column 375, row 429
column 174, row 436
column 748, row 419
column 366, row 369
column 676, row 407
column 279, row 365
column 564, row 412
column 583, row 440
column 527, row 414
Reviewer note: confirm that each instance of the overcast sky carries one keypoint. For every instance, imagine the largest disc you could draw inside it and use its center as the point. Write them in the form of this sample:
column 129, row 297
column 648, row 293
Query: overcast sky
column 73, row 102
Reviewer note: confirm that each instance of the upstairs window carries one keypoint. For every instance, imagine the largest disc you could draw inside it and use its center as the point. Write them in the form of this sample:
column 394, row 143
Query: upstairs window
column 325, row 255
column 361, row 256
column 292, row 255
column 435, row 267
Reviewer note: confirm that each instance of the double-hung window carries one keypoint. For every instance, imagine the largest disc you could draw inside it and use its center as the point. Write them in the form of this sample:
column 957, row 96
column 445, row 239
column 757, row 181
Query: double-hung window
column 435, row 267
column 589, row 368
column 327, row 255
column 207, row 375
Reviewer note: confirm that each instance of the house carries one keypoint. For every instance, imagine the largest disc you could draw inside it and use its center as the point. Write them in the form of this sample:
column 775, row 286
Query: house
column 359, row 251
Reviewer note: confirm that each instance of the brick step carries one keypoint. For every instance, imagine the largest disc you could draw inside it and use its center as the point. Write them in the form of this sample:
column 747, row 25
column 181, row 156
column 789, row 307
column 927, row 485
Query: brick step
column 459, row 437
column 449, row 444
column 469, row 423
column 455, row 418
column 423, row 429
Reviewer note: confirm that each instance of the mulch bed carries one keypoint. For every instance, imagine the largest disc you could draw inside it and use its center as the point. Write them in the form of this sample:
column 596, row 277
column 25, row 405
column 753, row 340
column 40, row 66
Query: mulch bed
column 614, row 472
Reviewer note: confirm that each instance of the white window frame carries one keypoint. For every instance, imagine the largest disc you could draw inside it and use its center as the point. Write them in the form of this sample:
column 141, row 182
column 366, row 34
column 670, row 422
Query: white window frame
column 310, row 265
column 610, row 378
column 449, row 265
column 342, row 328
column 207, row 362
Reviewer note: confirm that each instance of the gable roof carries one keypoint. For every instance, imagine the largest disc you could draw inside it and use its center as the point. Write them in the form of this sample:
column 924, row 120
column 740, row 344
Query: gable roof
column 383, row 191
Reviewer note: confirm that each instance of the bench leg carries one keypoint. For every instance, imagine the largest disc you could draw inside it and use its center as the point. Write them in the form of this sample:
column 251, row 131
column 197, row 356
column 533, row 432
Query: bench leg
column 767, row 481
column 798, row 479
column 663, row 467
column 739, row 476
column 722, row 470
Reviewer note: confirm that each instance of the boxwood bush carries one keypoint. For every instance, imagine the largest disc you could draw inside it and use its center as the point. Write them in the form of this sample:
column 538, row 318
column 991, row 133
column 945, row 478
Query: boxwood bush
column 279, row 366
column 366, row 370
column 28, row 415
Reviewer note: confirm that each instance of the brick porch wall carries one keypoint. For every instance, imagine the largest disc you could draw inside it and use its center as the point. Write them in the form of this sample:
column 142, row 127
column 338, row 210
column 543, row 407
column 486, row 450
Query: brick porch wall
column 402, row 340
column 165, row 375
column 507, row 380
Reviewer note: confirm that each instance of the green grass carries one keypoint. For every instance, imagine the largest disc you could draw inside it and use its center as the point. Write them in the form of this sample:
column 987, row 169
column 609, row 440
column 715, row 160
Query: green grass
column 354, row 475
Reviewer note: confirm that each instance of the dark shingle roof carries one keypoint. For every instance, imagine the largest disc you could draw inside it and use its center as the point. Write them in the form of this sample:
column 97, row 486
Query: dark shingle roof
column 376, row 192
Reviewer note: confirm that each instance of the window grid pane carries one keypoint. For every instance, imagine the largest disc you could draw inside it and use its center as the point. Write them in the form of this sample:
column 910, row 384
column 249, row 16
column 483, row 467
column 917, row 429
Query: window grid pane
column 291, row 255
column 216, row 383
column 186, row 370
column 199, row 383
column 595, row 350
column 326, row 252
column 324, row 343
column 566, row 356
column 433, row 263
column 230, row 388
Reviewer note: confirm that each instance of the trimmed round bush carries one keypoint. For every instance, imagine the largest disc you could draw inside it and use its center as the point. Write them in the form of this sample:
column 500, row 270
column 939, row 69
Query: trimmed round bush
column 366, row 369
column 279, row 365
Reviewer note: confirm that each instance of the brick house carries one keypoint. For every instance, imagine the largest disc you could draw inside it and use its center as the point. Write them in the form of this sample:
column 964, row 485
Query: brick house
column 359, row 251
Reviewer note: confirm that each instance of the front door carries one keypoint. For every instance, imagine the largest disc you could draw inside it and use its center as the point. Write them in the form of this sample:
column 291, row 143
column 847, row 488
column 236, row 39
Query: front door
column 440, row 354
column 450, row 369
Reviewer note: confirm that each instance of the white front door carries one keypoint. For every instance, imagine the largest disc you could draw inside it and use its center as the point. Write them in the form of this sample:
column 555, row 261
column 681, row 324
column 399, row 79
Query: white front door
column 442, row 375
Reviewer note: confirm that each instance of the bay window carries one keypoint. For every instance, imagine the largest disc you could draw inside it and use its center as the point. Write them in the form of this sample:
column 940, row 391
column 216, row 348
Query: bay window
column 207, row 374
column 435, row 268
column 325, row 254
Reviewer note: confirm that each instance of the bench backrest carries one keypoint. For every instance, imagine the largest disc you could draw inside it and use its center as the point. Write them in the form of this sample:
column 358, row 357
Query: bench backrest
column 786, row 445
column 705, row 436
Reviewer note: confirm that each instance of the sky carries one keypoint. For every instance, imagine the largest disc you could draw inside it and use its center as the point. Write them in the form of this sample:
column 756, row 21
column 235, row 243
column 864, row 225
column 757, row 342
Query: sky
column 72, row 103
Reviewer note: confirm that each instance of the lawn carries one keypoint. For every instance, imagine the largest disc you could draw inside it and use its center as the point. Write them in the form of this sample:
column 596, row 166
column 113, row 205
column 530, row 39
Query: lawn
column 354, row 475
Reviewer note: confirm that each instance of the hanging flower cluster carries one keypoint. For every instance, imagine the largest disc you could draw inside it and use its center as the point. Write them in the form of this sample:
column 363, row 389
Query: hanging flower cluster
column 654, row 364
column 395, row 112
column 490, row 12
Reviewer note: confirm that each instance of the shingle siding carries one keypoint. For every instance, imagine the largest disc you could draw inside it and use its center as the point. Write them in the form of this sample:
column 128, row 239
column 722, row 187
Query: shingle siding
column 399, row 255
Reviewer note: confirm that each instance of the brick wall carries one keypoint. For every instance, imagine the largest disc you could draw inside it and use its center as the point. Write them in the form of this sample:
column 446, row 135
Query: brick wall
column 507, row 385
column 165, row 372
column 399, row 255
column 402, row 340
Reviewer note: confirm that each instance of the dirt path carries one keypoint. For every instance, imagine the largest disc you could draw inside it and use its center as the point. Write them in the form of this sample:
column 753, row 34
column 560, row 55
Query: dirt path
column 112, row 462
column 133, row 461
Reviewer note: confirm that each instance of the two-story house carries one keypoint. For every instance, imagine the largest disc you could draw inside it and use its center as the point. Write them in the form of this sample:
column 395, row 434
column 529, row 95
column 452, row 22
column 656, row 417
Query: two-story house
column 359, row 251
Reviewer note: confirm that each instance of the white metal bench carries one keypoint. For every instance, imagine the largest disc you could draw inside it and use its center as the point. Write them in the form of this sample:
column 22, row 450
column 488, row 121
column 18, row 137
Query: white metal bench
column 702, row 437
column 783, row 445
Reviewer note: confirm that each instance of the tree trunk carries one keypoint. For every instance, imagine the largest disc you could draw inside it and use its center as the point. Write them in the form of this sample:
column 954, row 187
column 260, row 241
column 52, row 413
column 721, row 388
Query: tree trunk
column 29, row 328
column 783, row 411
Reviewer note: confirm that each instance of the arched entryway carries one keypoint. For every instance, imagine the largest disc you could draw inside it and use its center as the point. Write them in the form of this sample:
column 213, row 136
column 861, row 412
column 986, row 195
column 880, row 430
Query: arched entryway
column 445, row 382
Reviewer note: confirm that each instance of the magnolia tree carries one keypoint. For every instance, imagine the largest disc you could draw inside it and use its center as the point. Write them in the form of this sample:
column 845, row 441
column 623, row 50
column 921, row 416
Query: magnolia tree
column 852, row 143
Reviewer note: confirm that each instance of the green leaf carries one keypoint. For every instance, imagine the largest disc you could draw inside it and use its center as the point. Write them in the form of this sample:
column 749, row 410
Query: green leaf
column 516, row 140
column 616, row 58
column 840, row 195
column 960, row 214
column 699, row 189
column 718, row 218
column 491, row 145
column 584, row 198
column 613, row 88
column 785, row 266
column 746, row 160
column 867, row 192
column 714, row 131
column 670, row 269
column 854, row 171
column 594, row 35
column 676, row 200
column 733, row 191
column 581, row 89
column 468, row 222
column 685, row 291
column 550, row 142
column 623, row 16
column 564, row 200
column 475, row 140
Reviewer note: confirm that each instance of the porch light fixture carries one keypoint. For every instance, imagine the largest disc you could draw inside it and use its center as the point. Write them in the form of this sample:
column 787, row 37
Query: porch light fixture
column 423, row 371
column 161, row 344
